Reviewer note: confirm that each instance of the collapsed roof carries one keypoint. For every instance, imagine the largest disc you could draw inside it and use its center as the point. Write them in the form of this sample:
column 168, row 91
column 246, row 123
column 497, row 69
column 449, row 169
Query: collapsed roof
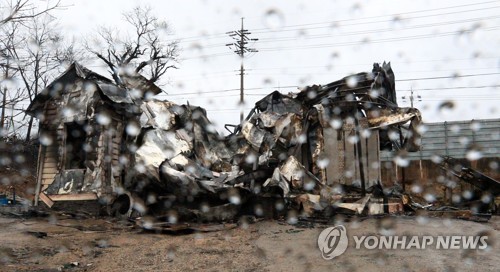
column 108, row 89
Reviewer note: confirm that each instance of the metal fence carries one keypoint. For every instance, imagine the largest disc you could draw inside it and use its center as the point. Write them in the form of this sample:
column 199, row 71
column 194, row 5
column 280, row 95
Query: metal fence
column 458, row 139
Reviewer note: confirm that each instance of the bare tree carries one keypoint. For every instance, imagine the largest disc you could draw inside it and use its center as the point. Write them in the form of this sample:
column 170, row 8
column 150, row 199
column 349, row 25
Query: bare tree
column 31, row 58
column 15, row 16
column 143, row 51
column 22, row 10
column 69, row 52
column 36, row 59
column 11, row 95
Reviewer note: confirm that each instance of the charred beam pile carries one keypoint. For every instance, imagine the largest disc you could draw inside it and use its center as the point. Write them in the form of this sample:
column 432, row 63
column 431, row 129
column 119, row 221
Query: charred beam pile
column 279, row 158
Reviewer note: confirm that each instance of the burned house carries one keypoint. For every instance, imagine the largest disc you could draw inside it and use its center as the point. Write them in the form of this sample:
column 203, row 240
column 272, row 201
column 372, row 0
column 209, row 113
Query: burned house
column 337, row 130
column 304, row 150
column 83, row 117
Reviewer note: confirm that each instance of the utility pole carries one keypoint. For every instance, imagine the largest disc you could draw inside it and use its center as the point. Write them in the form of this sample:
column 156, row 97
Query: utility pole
column 412, row 97
column 240, row 48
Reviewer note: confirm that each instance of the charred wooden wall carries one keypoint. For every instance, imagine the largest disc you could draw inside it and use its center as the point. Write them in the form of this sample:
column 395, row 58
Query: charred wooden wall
column 346, row 156
column 103, row 141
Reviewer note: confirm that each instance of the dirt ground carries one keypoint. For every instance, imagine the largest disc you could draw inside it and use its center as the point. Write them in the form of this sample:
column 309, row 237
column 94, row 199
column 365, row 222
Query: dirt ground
column 103, row 244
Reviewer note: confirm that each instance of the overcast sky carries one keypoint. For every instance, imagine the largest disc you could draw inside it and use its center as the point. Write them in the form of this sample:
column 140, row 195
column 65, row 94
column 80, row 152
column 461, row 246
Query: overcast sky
column 316, row 42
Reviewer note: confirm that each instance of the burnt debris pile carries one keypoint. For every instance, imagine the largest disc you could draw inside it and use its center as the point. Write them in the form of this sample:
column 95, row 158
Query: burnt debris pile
column 312, row 153
column 299, row 154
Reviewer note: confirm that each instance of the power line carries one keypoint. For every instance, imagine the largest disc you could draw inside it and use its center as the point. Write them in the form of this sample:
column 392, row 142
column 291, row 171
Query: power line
column 433, row 100
column 295, row 86
column 230, row 90
column 452, row 88
column 397, row 39
column 221, row 35
column 443, row 77
column 373, row 22
column 364, row 64
column 363, row 32
column 391, row 15
column 394, row 39
column 399, row 80
column 464, row 99
column 378, row 30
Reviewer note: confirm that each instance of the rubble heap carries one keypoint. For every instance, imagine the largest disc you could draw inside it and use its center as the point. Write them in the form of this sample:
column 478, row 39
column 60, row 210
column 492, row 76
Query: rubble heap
column 308, row 151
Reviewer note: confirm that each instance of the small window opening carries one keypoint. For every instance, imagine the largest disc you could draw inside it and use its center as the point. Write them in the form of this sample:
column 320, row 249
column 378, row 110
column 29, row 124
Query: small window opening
column 74, row 150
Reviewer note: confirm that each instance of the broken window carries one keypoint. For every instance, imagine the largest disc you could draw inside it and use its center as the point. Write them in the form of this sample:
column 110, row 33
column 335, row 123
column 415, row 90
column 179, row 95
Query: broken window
column 74, row 152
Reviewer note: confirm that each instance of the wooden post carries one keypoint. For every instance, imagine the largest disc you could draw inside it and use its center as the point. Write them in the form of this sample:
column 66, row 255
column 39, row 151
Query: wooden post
column 41, row 158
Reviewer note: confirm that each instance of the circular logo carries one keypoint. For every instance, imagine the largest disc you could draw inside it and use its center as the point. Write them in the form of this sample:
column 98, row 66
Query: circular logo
column 332, row 242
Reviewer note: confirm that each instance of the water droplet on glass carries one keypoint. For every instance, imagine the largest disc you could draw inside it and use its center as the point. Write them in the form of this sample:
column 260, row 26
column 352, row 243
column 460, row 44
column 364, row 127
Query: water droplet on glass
column 417, row 189
column 147, row 223
column 336, row 123
column 455, row 129
column 311, row 94
column 268, row 81
column 446, row 105
column 429, row 197
column 474, row 153
column 422, row 220
column 234, row 197
column 401, row 159
column 475, row 126
column 374, row 93
column 393, row 135
column 467, row 194
column 292, row 217
column 353, row 139
column 250, row 158
column 436, row 159
column 258, row 210
column 279, row 205
column 464, row 141
column 172, row 217
column 365, row 133
column 139, row 206
column 486, row 198
column 103, row 119
column 421, row 129
column 274, row 19
column 132, row 129
column 323, row 162
column 352, row 81
column 309, row 185
column 45, row 139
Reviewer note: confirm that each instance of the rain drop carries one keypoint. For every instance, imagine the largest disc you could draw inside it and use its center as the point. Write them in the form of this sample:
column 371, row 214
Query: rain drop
column 323, row 162
column 292, row 217
column 103, row 119
column 336, row 123
column 446, row 105
column 132, row 129
column 352, row 81
column 258, row 210
column 234, row 197
column 45, row 139
column 475, row 126
column 274, row 19
column 473, row 153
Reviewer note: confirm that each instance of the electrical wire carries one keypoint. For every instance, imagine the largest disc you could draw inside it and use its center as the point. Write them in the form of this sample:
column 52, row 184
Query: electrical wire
column 397, row 39
column 224, row 35
column 444, row 77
